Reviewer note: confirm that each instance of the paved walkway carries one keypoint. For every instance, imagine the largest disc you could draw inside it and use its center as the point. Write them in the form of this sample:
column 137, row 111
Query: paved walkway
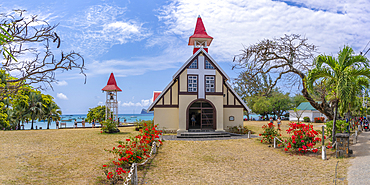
column 359, row 171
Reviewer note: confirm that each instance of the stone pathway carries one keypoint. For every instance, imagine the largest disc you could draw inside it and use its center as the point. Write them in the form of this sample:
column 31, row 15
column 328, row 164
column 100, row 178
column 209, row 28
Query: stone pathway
column 359, row 171
column 173, row 137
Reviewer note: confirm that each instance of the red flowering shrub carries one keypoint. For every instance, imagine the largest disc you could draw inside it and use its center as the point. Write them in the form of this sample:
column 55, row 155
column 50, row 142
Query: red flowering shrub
column 303, row 137
column 133, row 150
column 319, row 119
column 269, row 133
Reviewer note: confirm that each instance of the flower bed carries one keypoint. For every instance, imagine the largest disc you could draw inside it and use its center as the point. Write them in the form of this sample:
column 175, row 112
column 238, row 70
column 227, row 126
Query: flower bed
column 132, row 150
column 269, row 133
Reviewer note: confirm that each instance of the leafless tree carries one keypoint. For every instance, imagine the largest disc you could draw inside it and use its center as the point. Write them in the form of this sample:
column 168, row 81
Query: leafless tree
column 287, row 60
column 32, row 43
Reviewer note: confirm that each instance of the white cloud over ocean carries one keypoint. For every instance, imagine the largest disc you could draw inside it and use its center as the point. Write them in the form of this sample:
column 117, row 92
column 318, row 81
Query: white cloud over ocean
column 143, row 103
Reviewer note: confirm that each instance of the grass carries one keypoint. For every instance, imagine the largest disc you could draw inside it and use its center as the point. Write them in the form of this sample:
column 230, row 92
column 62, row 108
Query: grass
column 75, row 156
column 65, row 156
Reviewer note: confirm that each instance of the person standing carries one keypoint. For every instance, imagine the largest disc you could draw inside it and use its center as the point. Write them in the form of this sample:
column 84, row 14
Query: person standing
column 83, row 123
column 93, row 123
column 278, row 122
column 193, row 120
column 75, row 123
column 271, row 120
column 57, row 124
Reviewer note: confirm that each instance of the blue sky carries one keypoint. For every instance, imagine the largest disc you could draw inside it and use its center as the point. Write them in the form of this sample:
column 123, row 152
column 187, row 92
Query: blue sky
column 144, row 42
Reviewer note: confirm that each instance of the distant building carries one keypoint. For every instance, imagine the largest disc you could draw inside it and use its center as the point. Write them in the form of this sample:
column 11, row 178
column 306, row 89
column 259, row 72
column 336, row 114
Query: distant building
column 306, row 110
column 199, row 95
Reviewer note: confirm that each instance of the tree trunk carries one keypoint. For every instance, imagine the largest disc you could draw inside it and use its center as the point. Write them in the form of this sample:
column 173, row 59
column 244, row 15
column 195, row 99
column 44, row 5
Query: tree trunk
column 334, row 121
column 32, row 124
column 48, row 123
column 323, row 107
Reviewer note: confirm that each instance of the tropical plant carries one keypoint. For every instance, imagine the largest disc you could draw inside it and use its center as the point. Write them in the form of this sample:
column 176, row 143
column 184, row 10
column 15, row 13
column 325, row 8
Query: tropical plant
column 52, row 112
column 109, row 126
column 341, row 126
column 306, row 119
column 343, row 77
column 35, row 106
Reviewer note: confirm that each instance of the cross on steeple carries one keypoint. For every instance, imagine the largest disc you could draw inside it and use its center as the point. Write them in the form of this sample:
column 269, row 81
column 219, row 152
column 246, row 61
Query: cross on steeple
column 201, row 72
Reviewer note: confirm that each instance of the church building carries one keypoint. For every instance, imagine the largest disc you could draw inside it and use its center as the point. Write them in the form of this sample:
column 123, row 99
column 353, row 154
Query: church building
column 199, row 95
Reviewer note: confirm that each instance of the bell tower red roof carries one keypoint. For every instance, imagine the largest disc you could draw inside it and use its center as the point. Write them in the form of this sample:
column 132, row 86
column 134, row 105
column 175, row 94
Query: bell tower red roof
column 200, row 36
column 111, row 85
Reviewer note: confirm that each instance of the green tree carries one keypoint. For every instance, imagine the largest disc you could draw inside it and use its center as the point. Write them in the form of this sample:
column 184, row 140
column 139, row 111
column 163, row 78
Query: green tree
column 280, row 103
column 97, row 113
column 35, row 106
column 262, row 106
column 51, row 111
column 338, row 75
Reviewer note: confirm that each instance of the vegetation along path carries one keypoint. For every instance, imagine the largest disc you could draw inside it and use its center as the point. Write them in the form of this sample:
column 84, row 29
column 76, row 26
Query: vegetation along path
column 359, row 172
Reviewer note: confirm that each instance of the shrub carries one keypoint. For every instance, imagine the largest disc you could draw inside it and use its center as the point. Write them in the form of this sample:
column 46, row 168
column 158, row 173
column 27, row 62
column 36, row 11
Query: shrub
column 303, row 137
column 319, row 119
column 341, row 126
column 139, row 124
column 132, row 150
column 109, row 126
column 306, row 119
column 269, row 133
column 239, row 130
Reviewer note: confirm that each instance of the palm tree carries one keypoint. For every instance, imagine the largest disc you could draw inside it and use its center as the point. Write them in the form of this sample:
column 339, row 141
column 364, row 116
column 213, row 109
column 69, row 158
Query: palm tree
column 339, row 75
column 35, row 106
column 52, row 112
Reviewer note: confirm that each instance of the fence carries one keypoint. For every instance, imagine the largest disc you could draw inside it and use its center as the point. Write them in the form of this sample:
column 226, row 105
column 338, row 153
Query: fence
column 132, row 174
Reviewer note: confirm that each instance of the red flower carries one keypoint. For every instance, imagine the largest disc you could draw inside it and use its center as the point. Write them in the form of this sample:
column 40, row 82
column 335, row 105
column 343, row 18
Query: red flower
column 285, row 149
column 138, row 157
column 261, row 141
column 302, row 141
column 127, row 139
column 104, row 166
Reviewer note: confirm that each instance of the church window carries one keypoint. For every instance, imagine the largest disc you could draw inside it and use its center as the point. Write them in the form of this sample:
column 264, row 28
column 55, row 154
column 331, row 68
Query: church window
column 210, row 84
column 209, row 65
column 193, row 65
column 192, row 83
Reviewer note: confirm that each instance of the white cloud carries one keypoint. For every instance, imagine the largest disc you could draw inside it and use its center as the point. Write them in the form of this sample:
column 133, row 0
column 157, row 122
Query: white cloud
column 102, row 26
column 100, row 103
column 62, row 96
column 234, row 23
column 143, row 103
column 61, row 83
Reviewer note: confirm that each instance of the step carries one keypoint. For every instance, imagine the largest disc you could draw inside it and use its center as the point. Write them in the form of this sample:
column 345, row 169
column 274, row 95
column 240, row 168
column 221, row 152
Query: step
column 203, row 134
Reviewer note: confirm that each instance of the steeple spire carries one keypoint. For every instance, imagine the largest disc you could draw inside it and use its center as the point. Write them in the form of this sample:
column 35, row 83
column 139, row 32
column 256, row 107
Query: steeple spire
column 200, row 38
column 112, row 84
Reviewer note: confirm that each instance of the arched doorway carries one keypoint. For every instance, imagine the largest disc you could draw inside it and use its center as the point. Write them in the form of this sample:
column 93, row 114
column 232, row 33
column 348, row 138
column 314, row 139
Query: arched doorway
column 204, row 114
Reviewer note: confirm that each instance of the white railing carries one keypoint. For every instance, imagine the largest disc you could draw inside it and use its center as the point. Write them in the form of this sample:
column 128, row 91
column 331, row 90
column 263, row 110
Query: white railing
column 132, row 174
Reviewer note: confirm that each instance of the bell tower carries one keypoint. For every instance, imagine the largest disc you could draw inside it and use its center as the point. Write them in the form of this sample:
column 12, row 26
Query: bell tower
column 111, row 103
column 200, row 38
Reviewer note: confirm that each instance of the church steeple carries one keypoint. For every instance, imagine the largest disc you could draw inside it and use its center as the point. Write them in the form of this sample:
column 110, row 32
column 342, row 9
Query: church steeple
column 200, row 38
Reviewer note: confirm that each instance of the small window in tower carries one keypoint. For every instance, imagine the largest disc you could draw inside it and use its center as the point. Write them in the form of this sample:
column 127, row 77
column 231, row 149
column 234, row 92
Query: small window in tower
column 209, row 65
column 192, row 83
column 210, row 84
column 194, row 65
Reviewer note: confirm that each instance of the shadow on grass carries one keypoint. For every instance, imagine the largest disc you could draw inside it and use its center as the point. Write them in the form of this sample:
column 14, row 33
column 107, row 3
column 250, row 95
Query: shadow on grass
column 117, row 133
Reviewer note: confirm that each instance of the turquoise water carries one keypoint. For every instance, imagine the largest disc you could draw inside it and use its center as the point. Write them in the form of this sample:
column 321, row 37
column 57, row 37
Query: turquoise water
column 69, row 120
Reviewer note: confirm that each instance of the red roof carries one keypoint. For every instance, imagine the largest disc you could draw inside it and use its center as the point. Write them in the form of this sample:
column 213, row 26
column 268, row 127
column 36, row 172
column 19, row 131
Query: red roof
column 200, row 32
column 156, row 94
column 111, row 85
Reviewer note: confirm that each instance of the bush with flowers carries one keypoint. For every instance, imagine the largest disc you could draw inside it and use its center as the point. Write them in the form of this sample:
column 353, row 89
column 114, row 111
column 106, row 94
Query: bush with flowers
column 269, row 133
column 132, row 150
column 319, row 119
column 303, row 137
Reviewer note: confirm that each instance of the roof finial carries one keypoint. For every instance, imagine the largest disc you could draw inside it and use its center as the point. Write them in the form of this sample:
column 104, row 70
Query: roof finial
column 198, row 16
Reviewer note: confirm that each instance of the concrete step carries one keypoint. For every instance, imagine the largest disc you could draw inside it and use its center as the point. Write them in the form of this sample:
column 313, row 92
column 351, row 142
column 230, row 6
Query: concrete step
column 203, row 135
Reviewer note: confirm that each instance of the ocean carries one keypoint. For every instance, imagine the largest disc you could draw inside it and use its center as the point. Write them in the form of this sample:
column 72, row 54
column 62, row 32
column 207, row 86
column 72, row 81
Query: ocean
column 69, row 120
